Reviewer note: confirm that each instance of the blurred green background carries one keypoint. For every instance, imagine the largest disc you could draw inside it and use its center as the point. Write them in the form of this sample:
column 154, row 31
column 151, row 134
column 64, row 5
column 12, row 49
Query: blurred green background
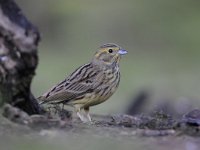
column 161, row 36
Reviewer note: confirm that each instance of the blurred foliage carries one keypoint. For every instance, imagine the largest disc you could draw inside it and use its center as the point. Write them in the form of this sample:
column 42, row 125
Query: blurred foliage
column 162, row 38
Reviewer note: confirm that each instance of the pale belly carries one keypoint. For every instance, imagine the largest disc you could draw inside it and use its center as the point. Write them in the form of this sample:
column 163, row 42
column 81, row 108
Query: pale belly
column 95, row 100
column 92, row 99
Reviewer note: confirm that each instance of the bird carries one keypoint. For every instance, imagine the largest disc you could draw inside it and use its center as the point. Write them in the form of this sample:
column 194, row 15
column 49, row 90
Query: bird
column 90, row 84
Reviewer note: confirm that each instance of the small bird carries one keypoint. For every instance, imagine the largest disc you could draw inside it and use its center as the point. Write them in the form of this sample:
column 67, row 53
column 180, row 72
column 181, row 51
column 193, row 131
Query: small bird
column 90, row 84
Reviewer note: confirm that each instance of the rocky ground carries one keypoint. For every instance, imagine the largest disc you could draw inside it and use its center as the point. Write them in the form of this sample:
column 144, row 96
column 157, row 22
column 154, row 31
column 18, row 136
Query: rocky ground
column 158, row 129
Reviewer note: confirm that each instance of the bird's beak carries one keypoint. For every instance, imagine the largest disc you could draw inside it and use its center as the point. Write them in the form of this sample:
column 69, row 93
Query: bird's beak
column 122, row 52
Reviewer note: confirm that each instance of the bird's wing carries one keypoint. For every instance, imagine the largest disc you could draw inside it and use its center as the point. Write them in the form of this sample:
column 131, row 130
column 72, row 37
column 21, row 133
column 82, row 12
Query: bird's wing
column 62, row 94
column 79, row 83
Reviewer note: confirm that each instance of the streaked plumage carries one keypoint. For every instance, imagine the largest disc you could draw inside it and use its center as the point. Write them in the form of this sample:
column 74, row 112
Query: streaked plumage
column 90, row 84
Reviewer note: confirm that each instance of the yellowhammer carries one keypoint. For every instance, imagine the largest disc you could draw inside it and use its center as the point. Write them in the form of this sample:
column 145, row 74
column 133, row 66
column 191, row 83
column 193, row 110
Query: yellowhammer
column 90, row 84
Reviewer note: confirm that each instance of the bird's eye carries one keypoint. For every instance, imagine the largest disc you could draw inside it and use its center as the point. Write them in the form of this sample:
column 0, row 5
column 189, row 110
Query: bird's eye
column 110, row 50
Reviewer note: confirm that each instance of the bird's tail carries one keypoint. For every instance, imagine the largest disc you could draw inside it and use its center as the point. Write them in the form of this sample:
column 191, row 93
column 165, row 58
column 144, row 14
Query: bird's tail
column 41, row 100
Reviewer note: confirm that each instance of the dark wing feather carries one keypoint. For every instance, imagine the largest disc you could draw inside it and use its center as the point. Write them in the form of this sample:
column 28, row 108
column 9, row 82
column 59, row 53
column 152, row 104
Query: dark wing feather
column 79, row 83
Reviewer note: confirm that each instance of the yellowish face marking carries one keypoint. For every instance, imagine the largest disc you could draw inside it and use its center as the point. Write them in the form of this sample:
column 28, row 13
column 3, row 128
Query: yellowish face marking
column 108, row 54
column 106, row 51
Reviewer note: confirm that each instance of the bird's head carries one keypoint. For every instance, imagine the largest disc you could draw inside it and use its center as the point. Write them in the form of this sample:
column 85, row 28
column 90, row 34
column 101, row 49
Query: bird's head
column 109, row 54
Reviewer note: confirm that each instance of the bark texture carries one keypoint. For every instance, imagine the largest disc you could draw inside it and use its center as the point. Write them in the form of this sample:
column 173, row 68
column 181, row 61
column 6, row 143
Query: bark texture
column 18, row 57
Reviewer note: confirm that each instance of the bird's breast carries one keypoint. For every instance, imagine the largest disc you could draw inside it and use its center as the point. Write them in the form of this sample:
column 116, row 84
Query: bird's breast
column 104, row 91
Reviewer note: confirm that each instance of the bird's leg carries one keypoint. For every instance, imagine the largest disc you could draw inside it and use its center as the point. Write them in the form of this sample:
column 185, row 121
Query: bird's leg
column 78, row 112
column 86, row 109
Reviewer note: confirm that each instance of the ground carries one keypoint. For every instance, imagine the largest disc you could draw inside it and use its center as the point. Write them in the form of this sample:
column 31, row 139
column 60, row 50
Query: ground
column 158, row 131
